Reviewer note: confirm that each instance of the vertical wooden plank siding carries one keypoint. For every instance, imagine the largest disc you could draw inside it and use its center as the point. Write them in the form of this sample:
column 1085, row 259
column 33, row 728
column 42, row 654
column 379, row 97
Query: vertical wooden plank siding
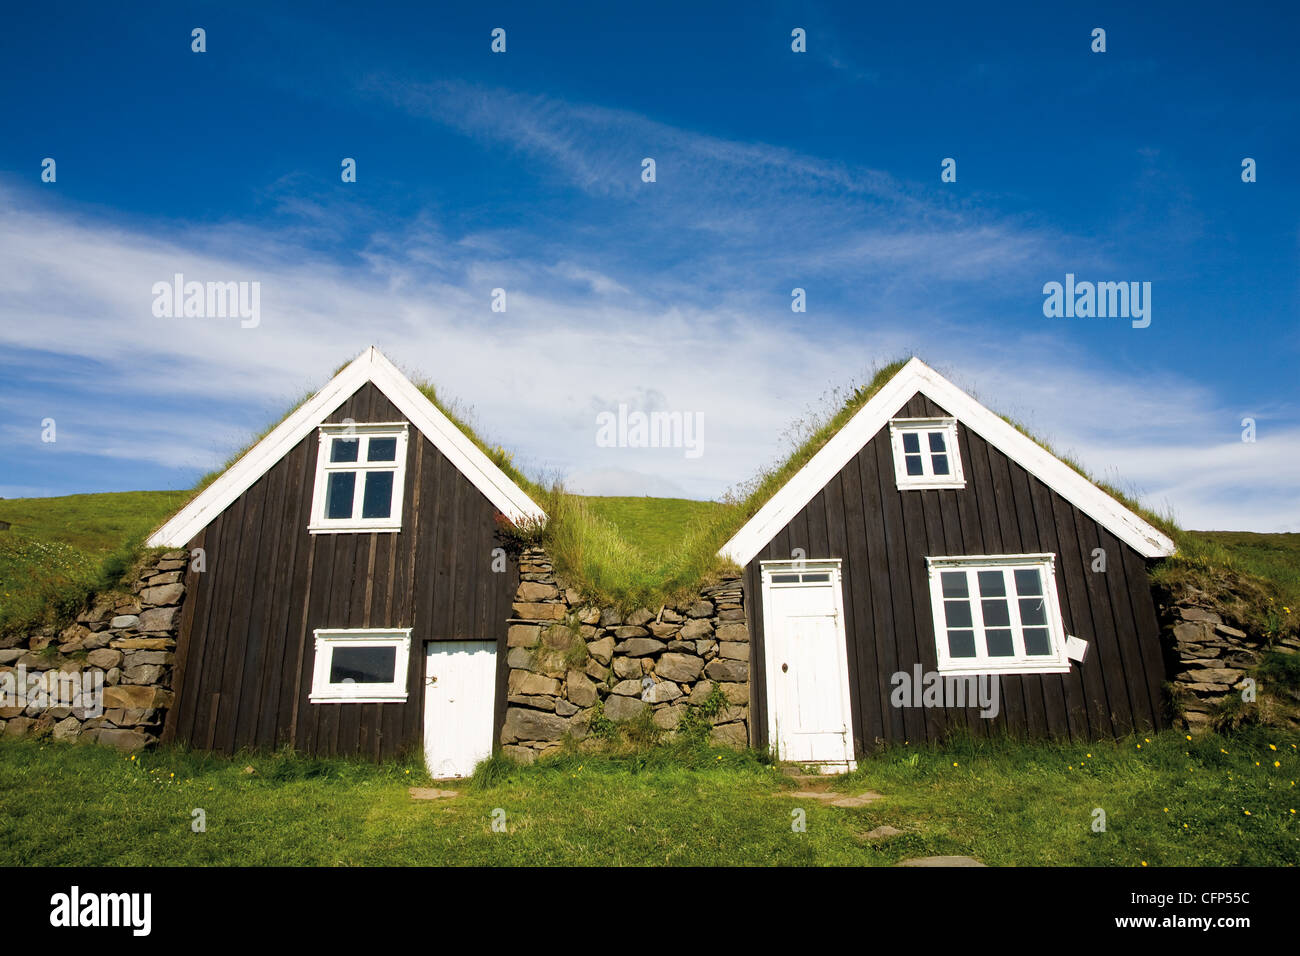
column 246, row 650
column 883, row 536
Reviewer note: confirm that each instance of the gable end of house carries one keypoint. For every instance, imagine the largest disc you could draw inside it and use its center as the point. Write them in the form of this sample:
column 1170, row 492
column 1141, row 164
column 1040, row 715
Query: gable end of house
column 372, row 367
column 881, row 409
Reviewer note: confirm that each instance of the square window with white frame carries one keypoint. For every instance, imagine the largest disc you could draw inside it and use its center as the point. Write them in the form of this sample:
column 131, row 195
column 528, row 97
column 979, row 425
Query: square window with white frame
column 926, row 454
column 360, row 666
column 359, row 478
column 997, row 614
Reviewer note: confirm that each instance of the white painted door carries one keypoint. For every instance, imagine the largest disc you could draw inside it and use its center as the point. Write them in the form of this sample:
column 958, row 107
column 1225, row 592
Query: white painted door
column 459, row 698
column 807, row 664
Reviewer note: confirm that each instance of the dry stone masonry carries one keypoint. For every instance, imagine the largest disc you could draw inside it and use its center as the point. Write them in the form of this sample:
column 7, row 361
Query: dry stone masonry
column 120, row 652
column 570, row 661
column 1208, row 659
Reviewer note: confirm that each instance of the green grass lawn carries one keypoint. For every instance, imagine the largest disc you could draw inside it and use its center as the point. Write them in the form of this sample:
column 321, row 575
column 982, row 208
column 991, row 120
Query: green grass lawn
column 1214, row 801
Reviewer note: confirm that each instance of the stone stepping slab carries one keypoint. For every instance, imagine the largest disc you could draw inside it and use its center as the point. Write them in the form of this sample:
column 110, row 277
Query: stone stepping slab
column 883, row 832
column 941, row 861
column 431, row 793
column 835, row 799
column 861, row 800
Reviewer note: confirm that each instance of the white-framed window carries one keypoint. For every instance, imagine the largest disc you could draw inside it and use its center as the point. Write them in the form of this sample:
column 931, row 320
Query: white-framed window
column 926, row 453
column 997, row 614
column 359, row 478
column 361, row 666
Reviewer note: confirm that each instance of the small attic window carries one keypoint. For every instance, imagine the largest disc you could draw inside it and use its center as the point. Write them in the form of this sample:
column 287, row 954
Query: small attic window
column 359, row 478
column 926, row 453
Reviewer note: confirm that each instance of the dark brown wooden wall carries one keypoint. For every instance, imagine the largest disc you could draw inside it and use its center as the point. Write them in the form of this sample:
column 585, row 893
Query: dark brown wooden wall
column 883, row 536
column 246, row 650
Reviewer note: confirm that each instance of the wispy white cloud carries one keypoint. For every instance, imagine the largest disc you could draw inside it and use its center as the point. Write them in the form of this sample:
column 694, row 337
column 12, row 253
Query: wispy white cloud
column 611, row 309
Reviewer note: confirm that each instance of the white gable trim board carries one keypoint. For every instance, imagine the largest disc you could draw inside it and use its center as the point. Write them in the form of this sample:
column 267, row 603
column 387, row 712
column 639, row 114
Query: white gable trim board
column 370, row 366
column 916, row 377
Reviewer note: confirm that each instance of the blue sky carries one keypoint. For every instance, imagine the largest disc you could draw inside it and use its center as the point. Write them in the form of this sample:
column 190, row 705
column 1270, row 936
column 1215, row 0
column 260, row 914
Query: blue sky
column 775, row 170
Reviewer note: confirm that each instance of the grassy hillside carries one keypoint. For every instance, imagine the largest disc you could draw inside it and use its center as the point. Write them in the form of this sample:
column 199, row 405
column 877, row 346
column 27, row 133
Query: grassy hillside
column 1274, row 557
column 58, row 550
column 93, row 524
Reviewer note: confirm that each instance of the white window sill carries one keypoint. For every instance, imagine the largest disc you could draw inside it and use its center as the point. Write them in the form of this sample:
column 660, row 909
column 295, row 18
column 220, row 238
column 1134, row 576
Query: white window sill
column 352, row 529
column 926, row 483
column 977, row 670
column 358, row 700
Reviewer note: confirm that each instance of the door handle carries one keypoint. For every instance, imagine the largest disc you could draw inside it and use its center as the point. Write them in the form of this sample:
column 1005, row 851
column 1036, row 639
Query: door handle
column 784, row 668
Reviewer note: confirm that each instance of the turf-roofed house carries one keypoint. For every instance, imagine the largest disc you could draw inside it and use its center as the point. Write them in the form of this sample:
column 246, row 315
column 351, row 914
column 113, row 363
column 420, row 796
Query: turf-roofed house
column 930, row 567
column 354, row 595
column 930, row 540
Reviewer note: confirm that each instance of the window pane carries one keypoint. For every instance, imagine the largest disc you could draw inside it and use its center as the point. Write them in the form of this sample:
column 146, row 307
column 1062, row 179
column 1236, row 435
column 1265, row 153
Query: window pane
column 338, row 494
column 957, row 613
column 911, row 442
column 996, row 613
column 382, row 449
column 1033, row 611
column 954, row 584
column 939, row 463
column 914, row 464
column 937, row 443
column 1036, row 641
column 816, row 577
column 343, row 449
column 785, row 579
column 961, row 643
column 378, row 502
column 992, row 584
column 363, row 665
column 1029, row 581
column 999, row 643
